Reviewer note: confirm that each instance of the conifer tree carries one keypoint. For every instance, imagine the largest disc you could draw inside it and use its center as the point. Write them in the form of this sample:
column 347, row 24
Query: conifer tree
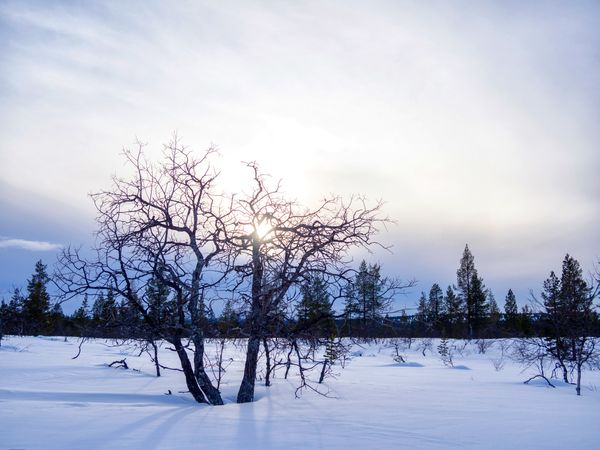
column 82, row 313
column 511, row 310
column 422, row 317
column 568, row 304
column 365, row 297
column 578, row 299
column 13, row 314
column 315, row 304
column 454, row 307
column 525, row 320
column 464, row 279
column 229, row 319
column 105, row 311
column 555, row 313
column 81, row 316
column 435, row 305
column 445, row 352
column 471, row 291
column 479, row 309
column 493, row 311
column 422, row 310
column 56, row 320
column 36, row 305
column 158, row 306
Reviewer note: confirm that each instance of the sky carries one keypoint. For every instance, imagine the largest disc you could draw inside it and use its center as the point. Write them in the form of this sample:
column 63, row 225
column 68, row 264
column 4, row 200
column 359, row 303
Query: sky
column 476, row 122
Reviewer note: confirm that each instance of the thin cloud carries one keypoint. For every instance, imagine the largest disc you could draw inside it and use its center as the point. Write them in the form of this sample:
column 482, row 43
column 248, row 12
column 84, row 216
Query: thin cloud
column 34, row 246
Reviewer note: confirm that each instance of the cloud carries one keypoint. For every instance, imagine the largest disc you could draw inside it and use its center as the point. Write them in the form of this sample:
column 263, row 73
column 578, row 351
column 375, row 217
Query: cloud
column 24, row 244
column 475, row 121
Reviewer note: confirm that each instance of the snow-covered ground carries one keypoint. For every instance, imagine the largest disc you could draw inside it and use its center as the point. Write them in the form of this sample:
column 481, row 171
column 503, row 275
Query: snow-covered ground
column 50, row 401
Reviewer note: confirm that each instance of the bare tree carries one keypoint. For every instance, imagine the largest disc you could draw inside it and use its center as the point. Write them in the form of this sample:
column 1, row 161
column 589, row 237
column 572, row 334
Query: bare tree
column 532, row 353
column 278, row 244
column 164, row 222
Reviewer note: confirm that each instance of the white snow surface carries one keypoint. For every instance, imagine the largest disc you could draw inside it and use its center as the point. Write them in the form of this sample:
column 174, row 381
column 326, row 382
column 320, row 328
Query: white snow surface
column 50, row 401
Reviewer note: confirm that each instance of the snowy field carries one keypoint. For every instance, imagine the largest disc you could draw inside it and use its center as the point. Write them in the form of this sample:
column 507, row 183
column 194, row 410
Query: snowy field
column 50, row 401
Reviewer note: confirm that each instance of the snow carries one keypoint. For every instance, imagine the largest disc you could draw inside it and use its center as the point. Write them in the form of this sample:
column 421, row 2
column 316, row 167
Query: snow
column 50, row 401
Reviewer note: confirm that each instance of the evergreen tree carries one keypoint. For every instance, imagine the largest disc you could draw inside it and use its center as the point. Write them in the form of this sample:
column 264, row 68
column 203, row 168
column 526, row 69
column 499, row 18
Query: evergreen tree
column 13, row 314
column 511, row 310
column 435, row 305
column 81, row 316
column 526, row 320
column 454, row 307
column 36, row 306
column 423, row 326
column 422, row 310
column 365, row 295
column 128, row 319
column 229, row 319
column 577, row 300
column 56, row 320
column 351, row 307
column 159, row 307
column 471, row 291
column 445, row 352
column 493, row 311
column 570, row 315
column 105, row 311
column 479, row 309
column 554, row 315
column 315, row 304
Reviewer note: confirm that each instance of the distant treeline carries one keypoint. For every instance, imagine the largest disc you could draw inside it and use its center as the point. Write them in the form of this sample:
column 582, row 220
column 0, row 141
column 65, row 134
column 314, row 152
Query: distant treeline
column 466, row 310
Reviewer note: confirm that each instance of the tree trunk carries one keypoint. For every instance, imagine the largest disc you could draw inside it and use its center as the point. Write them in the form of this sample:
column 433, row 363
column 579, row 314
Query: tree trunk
column 156, row 363
column 323, row 370
column 268, row 369
column 186, row 366
column 212, row 394
column 246, row 392
column 564, row 371
column 578, row 388
column 289, row 361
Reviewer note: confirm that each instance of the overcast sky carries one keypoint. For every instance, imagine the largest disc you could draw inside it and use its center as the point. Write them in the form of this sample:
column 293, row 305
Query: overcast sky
column 475, row 121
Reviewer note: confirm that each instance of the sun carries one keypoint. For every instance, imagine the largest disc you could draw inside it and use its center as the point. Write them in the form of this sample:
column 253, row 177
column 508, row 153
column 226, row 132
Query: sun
column 263, row 228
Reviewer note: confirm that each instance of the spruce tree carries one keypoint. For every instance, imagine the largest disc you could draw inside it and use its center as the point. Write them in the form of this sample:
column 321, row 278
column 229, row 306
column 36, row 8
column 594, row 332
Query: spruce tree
column 454, row 307
column 511, row 310
column 13, row 314
column 493, row 310
column 228, row 320
column 81, row 316
column 445, row 352
column 36, row 305
column 554, row 319
column 576, row 302
column 422, row 316
column 56, row 320
column 158, row 306
column 314, row 309
column 105, row 311
column 364, row 296
column 525, row 320
column 422, row 309
column 479, row 308
column 98, row 308
column 570, row 317
column 351, row 306
column 471, row 291
column 435, row 305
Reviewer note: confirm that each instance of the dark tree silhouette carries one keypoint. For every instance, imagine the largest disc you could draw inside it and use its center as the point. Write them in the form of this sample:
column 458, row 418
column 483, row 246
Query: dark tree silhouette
column 279, row 245
column 162, row 223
